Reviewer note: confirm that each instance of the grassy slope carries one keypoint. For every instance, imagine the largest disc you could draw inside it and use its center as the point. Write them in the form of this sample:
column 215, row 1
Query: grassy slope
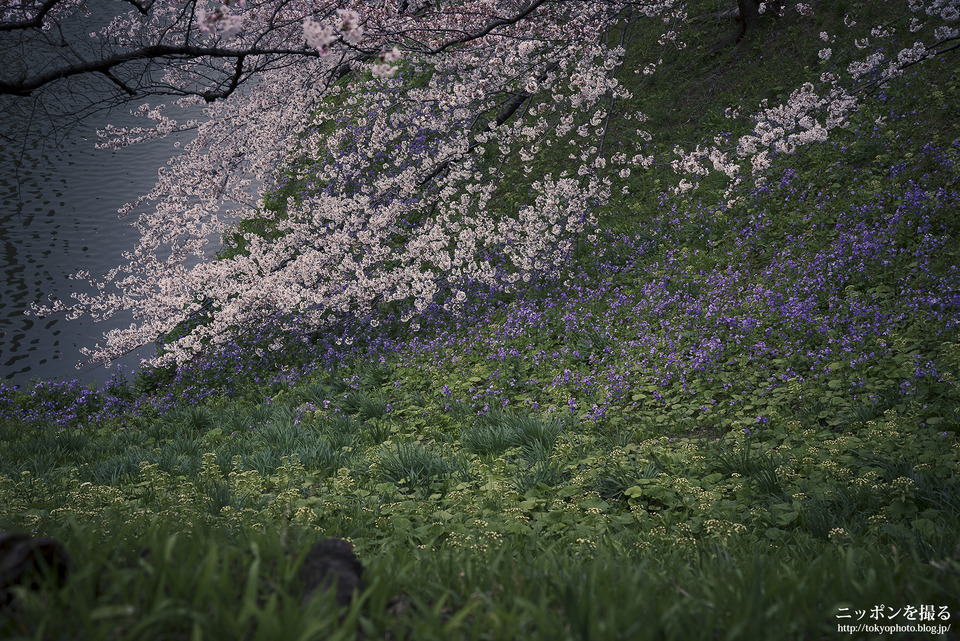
column 721, row 422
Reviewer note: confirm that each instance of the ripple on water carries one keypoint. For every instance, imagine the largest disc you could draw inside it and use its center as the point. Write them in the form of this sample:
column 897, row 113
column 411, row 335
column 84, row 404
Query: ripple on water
column 58, row 215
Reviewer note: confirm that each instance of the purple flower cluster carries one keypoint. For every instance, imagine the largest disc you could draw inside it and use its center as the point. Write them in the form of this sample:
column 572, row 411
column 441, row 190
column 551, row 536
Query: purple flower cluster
column 821, row 289
column 60, row 404
column 713, row 308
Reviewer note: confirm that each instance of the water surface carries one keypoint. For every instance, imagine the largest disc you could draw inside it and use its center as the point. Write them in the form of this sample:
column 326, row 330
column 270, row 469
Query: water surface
column 58, row 214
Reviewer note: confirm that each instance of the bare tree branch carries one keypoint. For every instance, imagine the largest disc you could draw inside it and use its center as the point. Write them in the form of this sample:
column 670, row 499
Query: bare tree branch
column 36, row 21
column 27, row 86
column 493, row 24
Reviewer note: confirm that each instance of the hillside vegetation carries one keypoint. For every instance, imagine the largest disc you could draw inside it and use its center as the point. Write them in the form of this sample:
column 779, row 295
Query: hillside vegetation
column 733, row 414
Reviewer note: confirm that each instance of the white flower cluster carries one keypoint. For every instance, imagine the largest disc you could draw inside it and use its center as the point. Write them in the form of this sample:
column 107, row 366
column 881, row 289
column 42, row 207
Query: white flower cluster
column 392, row 206
column 222, row 21
column 403, row 213
column 320, row 37
column 383, row 68
column 810, row 113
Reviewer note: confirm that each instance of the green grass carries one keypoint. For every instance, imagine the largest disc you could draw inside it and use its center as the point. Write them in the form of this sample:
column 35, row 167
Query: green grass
column 548, row 533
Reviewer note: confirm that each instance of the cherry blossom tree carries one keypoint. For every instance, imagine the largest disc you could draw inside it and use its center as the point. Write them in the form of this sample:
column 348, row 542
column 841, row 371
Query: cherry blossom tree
column 826, row 102
column 390, row 127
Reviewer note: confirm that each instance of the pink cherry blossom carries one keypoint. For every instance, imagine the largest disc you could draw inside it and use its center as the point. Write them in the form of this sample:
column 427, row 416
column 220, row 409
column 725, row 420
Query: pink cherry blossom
column 393, row 202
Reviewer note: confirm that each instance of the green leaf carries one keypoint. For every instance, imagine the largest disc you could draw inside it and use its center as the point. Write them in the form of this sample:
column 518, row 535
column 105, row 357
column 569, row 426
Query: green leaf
column 111, row 612
column 595, row 502
column 775, row 534
column 901, row 508
column 787, row 517
column 927, row 528
column 567, row 491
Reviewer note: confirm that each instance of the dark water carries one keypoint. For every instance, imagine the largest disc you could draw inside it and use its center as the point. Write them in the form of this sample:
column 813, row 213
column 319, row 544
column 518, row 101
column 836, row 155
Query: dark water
column 58, row 214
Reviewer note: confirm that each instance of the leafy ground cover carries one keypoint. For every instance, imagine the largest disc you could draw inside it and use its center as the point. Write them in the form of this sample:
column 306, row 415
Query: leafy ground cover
column 728, row 417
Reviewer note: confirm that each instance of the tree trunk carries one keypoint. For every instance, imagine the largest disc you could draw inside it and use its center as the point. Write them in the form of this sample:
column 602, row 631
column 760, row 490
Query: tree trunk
column 749, row 18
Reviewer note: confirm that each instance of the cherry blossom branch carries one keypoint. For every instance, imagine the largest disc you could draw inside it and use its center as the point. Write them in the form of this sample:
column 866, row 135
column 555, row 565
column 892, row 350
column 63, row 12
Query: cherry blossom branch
column 33, row 22
column 388, row 209
column 105, row 65
column 493, row 24
column 809, row 115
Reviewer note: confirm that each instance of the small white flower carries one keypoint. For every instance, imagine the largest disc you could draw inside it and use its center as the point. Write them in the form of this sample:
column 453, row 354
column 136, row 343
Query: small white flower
column 317, row 37
column 383, row 70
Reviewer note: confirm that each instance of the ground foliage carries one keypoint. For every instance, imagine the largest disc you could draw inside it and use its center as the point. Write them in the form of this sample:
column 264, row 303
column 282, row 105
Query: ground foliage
column 726, row 418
